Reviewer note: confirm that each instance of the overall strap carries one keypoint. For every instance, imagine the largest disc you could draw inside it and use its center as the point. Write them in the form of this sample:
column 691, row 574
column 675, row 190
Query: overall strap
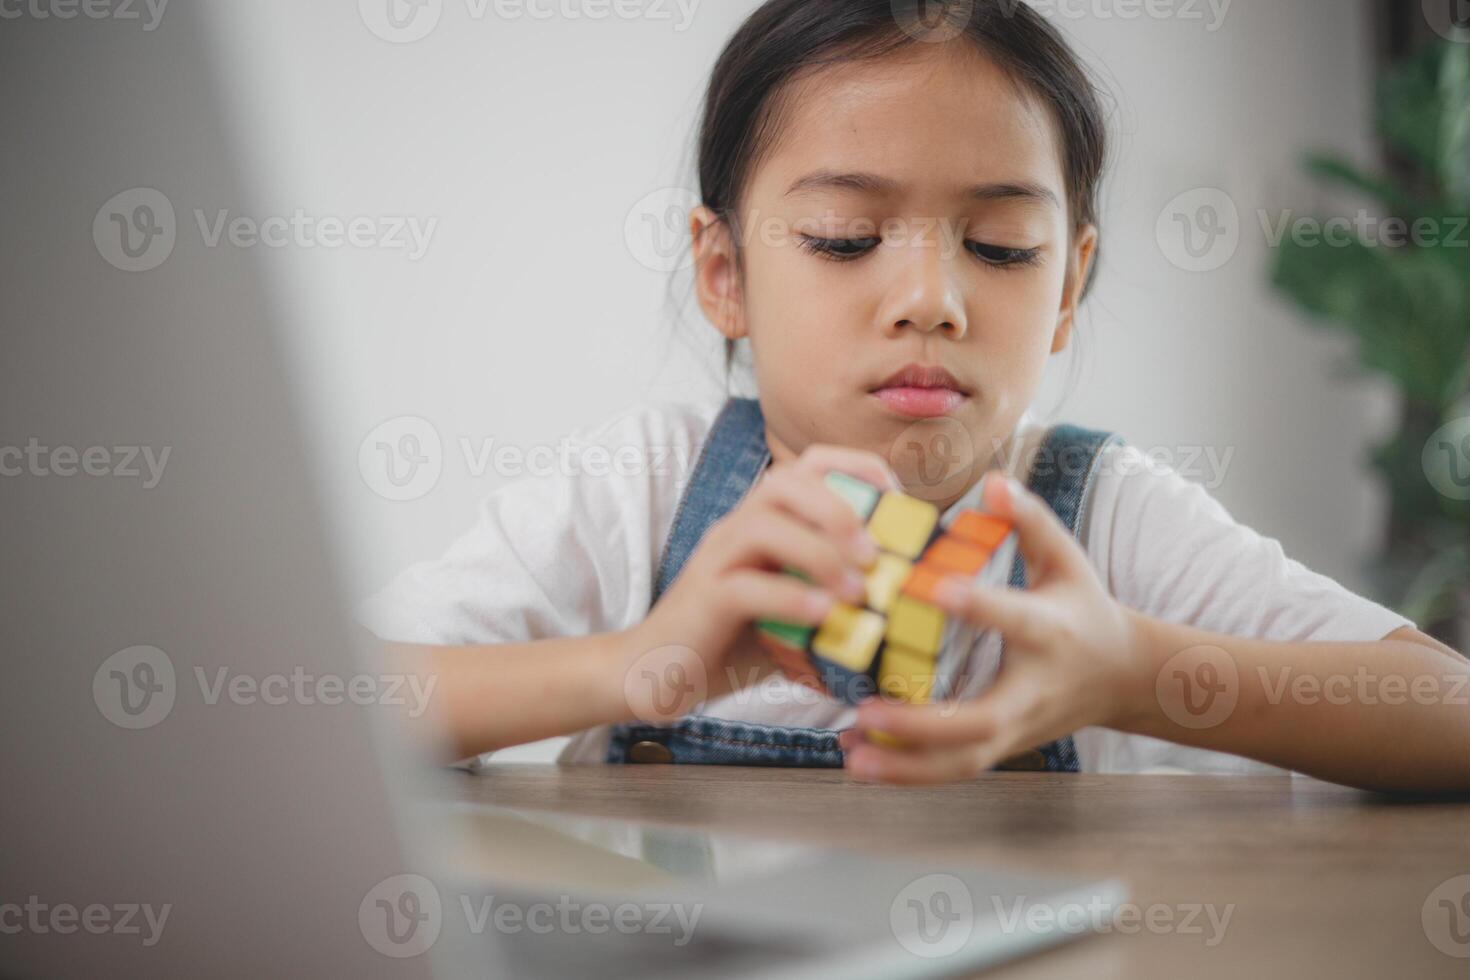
column 1063, row 474
column 733, row 456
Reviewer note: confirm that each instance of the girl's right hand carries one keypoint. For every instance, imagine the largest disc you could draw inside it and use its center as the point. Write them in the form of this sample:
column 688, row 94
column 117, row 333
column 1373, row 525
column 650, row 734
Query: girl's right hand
column 681, row 654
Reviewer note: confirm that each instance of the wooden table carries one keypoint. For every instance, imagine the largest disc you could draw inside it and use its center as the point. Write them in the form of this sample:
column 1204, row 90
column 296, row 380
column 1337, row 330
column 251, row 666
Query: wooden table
column 1325, row 881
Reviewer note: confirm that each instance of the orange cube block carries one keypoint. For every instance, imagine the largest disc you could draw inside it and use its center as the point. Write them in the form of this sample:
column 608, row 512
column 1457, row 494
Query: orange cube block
column 922, row 582
column 951, row 554
column 980, row 530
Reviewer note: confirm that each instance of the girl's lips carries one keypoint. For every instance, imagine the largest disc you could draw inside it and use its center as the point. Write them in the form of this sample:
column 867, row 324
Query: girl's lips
column 920, row 403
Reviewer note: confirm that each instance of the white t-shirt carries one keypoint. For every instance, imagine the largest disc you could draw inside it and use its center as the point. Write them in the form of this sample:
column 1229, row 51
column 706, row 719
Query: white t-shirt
column 576, row 553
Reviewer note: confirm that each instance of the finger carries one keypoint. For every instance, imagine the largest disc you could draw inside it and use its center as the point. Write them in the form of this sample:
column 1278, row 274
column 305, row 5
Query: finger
column 1044, row 542
column 941, row 742
column 822, row 459
column 805, row 495
column 776, row 538
column 872, row 763
column 1009, row 710
column 944, row 725
column 754, row 594
column 1013, row 716
column 1020, row 616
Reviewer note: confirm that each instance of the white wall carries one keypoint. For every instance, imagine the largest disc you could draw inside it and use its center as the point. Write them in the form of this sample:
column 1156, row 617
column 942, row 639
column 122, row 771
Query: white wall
column 531, row 141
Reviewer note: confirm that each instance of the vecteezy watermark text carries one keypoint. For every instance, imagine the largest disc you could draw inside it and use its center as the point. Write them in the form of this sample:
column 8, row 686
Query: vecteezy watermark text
column 407, row 21
column 137, row 229
column 934, row 916
column 938, row 458
column 1364, row 228
column 1206, row 920
column 148, row 12
column 137, row 687
column 937, row 23
column 38, row 460
column 299, row 687
column 1211, row 13
column 301, row 230
column 1201, row 230
column 403, row 916
column 403, row 458
column 1200, row 687
column 1365, row 687
column 41, row 918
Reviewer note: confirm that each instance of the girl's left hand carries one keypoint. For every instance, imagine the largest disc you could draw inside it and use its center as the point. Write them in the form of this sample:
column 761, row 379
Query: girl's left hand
column 1072, row 659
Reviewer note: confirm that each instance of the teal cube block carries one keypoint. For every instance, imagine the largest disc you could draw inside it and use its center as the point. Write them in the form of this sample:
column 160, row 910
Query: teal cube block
column 861, row 497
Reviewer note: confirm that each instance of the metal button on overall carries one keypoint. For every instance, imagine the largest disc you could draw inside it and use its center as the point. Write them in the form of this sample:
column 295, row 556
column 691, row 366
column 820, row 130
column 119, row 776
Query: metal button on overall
column 650, row 752
column 1030, row 761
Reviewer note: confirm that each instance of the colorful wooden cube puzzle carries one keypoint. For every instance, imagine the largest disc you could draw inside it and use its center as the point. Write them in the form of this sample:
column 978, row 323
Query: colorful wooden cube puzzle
column 897, row 642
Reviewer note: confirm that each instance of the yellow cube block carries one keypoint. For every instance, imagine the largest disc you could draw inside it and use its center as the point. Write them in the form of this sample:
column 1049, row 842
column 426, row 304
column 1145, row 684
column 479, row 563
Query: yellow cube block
column 906, row 674
column 916, row 625
column 849, row 637
column 885, row 579
column 902, row 524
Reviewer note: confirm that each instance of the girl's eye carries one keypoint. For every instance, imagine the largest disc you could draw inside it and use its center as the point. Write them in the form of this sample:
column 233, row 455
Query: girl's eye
column 847, row 249
column 839, row 249
column 999, row 255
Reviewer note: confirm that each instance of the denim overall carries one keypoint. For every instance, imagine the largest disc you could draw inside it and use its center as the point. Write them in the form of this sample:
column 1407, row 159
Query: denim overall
column 733, row 457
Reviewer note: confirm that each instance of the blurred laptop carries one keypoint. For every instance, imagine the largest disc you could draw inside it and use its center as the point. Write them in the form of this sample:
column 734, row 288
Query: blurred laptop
column 166, row 570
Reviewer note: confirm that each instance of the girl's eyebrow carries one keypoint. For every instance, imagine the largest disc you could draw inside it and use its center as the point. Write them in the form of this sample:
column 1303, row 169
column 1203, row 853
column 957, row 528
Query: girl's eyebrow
column 877, row 184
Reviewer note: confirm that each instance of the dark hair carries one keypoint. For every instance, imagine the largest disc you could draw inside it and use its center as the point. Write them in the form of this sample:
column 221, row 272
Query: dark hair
column 784, row 37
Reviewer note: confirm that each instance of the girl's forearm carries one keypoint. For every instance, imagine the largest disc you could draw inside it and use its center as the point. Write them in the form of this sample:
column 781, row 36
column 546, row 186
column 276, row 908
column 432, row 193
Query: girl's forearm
column 1391, row 715
column 488, row 697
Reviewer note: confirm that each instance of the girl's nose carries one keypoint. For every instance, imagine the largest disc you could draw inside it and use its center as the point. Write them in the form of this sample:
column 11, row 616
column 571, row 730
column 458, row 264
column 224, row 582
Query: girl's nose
column 925, row 295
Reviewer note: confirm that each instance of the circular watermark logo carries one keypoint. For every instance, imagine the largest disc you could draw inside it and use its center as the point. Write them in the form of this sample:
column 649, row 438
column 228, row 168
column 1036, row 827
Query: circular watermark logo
column 1449, row 18
column 932, row 21
column 135, row 688
column 401, row 21
column 1198, row 688
column 402, row 458
column 401, row 916
column 1199, row 231
column 933, row 458
column 933, row 916
column 1446, row 459
column 665, row 684
column 135, row 230
column 657, row 229
column 1446, row 917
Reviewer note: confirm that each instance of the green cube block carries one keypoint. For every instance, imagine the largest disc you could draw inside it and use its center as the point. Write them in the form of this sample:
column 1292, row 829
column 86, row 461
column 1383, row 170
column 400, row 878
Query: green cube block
column 788, row 634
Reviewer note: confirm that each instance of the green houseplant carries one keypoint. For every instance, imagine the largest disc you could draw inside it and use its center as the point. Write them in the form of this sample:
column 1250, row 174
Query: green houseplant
column 1405, row 298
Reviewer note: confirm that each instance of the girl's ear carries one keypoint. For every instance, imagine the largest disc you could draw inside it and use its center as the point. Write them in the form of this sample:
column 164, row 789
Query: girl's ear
column 1079, row 263
column 716, row 273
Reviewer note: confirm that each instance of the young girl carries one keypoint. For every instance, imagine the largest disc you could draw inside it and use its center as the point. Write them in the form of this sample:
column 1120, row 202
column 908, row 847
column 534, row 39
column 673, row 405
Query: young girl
column 900, row 217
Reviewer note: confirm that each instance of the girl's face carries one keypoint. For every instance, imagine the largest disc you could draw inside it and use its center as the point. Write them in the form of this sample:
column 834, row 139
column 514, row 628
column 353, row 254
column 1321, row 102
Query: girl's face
column 909, row 263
